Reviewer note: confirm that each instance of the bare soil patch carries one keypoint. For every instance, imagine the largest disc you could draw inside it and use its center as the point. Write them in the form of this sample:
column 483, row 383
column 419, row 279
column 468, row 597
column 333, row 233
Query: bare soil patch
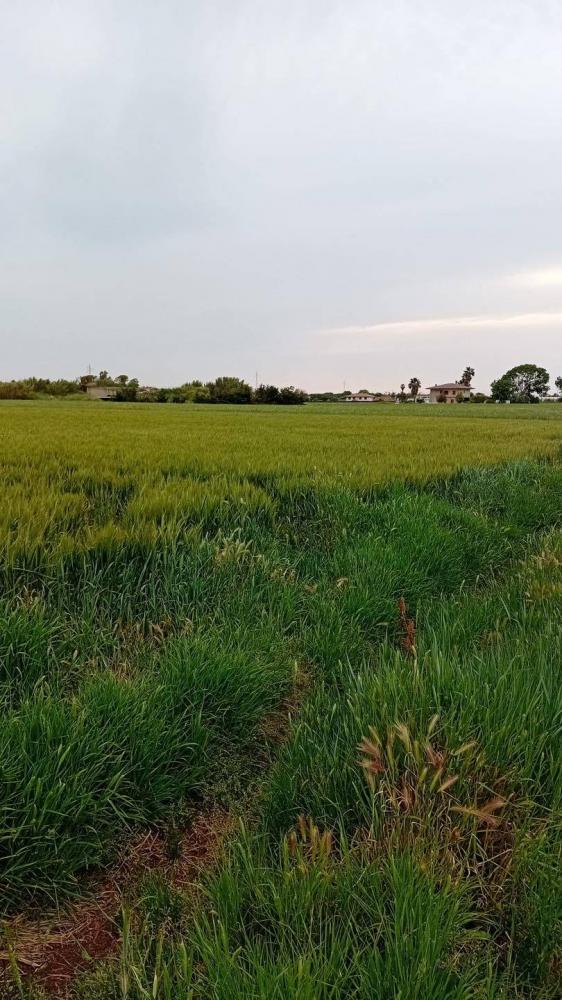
column 56, row 949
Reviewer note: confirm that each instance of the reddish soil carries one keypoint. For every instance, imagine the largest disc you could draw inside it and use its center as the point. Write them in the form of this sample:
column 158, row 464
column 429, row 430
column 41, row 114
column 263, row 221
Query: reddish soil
column 55, row 951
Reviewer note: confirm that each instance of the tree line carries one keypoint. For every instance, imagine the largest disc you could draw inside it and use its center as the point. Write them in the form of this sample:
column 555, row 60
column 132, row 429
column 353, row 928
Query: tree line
column 226, row 389
column 525, row 383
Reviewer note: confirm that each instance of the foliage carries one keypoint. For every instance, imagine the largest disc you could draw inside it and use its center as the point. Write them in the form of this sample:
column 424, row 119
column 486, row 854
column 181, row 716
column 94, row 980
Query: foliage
column 227, row 389
column 328, row 397
column 30, row 388
column 128, row 389
column 289, row 396
column 232, row 390
column 522, row 384
column 15, row 390
column 467, row 376
column 266, row 394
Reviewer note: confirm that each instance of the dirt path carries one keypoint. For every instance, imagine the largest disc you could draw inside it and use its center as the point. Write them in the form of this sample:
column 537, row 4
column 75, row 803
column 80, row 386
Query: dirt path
column 54, row 952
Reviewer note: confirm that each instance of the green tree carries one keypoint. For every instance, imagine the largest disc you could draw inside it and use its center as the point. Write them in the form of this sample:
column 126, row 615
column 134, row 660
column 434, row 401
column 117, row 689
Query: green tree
column 266, row 394
column 522, row 384
column 127, row 393
column 558, row 382
column 414, row 385
column 228, row 389
column 202, row 394
column 467, row 376
column 502, row 389
column 15, row 390
column 188, row 391
column 289, row 396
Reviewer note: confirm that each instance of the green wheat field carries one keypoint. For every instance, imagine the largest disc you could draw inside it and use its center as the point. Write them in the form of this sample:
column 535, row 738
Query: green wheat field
column 334, row 633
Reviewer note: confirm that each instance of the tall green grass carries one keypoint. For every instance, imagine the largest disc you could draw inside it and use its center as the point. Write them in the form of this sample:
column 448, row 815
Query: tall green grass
column 161, row 592
column 409, row 884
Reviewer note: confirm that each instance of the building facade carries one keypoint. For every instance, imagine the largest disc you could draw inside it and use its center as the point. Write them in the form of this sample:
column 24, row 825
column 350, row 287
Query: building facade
column 449, row 392
column 361, row 397
column 101, row 391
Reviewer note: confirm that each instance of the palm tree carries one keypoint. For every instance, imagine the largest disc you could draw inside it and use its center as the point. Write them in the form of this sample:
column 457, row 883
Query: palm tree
column 467, row 376
column 414, row 386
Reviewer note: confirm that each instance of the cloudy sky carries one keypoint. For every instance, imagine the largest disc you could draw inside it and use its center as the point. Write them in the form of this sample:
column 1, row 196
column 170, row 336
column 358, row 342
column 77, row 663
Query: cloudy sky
column 317, row 190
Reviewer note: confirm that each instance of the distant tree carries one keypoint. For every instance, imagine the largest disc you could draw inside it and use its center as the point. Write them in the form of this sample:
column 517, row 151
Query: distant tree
column 202, row 394
column 228, row 389
column 15, row 390
column 86, row 380
column 62, row 387
column 162, row 396
column 122, row 379
column 502, row 389
column 328, row 397
column 55, row 387
column 188, row 391
column 266, row 394
column 414, row 385
column 522, row 384
column 558, row 382
column 127, row 393
column 289, row 396
column 402, row 395
column 103, row 378
column 467, row 376
column 363, row 391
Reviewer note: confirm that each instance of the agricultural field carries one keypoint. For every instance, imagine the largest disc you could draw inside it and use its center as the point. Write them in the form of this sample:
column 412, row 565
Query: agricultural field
column 281, row 702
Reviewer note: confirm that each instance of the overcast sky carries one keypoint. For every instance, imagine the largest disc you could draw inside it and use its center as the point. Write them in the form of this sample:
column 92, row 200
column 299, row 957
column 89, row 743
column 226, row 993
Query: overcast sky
column 316, row 190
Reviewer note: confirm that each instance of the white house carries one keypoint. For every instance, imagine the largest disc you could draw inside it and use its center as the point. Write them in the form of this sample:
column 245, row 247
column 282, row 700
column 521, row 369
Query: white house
column 361, row 397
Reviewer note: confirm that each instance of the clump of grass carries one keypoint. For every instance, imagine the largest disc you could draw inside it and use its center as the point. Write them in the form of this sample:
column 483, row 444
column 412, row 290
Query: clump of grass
column 78, row 773
column 159, row 905
column 316, row 924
